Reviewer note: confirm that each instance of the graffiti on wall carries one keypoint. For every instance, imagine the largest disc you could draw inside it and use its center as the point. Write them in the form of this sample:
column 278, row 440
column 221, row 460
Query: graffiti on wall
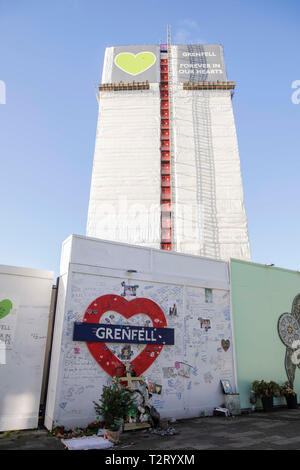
column 97, row 334
column 289, row 333
column 7, row 323
column 191, row 366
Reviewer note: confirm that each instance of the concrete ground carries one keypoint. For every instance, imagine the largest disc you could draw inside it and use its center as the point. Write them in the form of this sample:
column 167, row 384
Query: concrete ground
column 276, row 430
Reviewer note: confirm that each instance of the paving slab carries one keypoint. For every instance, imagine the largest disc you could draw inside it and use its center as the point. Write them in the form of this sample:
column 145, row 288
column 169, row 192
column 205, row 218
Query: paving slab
column 36, row 439
column 276, row 430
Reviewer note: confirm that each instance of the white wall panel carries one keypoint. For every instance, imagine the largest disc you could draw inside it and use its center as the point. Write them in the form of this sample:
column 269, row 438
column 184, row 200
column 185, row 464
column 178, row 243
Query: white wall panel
column 189, row 371
column 24, row 330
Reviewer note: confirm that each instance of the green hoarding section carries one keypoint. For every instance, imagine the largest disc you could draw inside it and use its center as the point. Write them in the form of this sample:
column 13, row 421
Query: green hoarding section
column 260, row 294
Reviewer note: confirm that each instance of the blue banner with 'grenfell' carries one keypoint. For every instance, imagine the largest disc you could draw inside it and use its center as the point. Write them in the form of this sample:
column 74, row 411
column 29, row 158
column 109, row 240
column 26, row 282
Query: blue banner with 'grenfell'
column 103, row 333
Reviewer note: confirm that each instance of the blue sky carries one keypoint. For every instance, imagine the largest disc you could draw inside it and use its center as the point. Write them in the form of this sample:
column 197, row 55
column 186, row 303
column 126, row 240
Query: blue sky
column 51, row 55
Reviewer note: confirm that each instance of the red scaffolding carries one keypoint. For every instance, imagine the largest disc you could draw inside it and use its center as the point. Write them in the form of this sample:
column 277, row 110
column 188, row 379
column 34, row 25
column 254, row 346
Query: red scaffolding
column 166, row 220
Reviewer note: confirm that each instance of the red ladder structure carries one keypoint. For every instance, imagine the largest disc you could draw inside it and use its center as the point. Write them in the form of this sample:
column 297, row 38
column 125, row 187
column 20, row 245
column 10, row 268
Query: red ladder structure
column 166, row 219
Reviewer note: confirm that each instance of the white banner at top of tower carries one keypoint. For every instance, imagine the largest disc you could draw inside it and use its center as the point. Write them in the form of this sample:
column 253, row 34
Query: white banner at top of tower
column 198, row 63
column 190, row 63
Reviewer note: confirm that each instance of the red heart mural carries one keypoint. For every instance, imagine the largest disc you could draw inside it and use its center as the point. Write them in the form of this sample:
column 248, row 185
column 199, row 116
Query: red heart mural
column 102, row 354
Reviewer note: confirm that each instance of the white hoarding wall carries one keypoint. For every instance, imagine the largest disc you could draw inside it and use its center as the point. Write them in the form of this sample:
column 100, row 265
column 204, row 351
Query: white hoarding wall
column 210, row 217
column 25, row 297
column 125, row 189
column 193, row 294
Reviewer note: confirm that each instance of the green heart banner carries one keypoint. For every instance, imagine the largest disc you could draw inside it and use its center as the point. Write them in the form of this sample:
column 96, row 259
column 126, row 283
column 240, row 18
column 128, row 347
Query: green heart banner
column 5, row 307
column 134, row 64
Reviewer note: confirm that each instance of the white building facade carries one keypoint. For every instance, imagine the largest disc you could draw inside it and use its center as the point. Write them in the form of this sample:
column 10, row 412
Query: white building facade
column 166, row 168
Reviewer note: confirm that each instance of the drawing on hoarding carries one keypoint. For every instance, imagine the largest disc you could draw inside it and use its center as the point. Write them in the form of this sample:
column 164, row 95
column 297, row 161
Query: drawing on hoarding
column 154, row 388
column 208, row 296
column 172, row 307
column 7, row 322
column 288, row 327
column 97, row 334
column 5, row 307
column 226, row 385
column 126, row 353
column 128, row 290
column 205, row 323
column 225, row 344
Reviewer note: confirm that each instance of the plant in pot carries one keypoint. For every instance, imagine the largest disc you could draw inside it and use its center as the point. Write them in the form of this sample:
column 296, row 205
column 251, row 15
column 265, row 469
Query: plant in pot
column 115, row 404
column 287, row 391
column 266, row 391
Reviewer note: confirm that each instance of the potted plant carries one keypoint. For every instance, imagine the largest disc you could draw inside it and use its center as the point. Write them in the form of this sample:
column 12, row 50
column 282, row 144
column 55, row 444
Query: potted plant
column 266, row 391
column 290, row 395
column 115, row 404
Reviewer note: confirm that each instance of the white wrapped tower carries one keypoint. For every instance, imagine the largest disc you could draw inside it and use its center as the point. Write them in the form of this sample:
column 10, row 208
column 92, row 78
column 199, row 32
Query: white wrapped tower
column 166, row 168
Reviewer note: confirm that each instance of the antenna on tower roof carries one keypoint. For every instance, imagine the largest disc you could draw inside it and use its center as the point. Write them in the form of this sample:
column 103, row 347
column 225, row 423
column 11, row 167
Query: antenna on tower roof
column 169, row 35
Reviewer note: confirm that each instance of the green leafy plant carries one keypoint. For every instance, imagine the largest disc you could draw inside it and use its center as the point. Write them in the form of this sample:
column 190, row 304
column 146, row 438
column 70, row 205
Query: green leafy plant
column 266, row 389
column 287, row 389
column 115, row 404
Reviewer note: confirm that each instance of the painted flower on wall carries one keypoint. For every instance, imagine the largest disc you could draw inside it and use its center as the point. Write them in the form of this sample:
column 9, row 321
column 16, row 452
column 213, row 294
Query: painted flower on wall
column 289, row 333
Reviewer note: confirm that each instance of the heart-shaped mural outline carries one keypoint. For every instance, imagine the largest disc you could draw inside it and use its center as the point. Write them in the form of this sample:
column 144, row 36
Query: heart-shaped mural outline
column 225, row 343
column 127, row 308
column 123, row 68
